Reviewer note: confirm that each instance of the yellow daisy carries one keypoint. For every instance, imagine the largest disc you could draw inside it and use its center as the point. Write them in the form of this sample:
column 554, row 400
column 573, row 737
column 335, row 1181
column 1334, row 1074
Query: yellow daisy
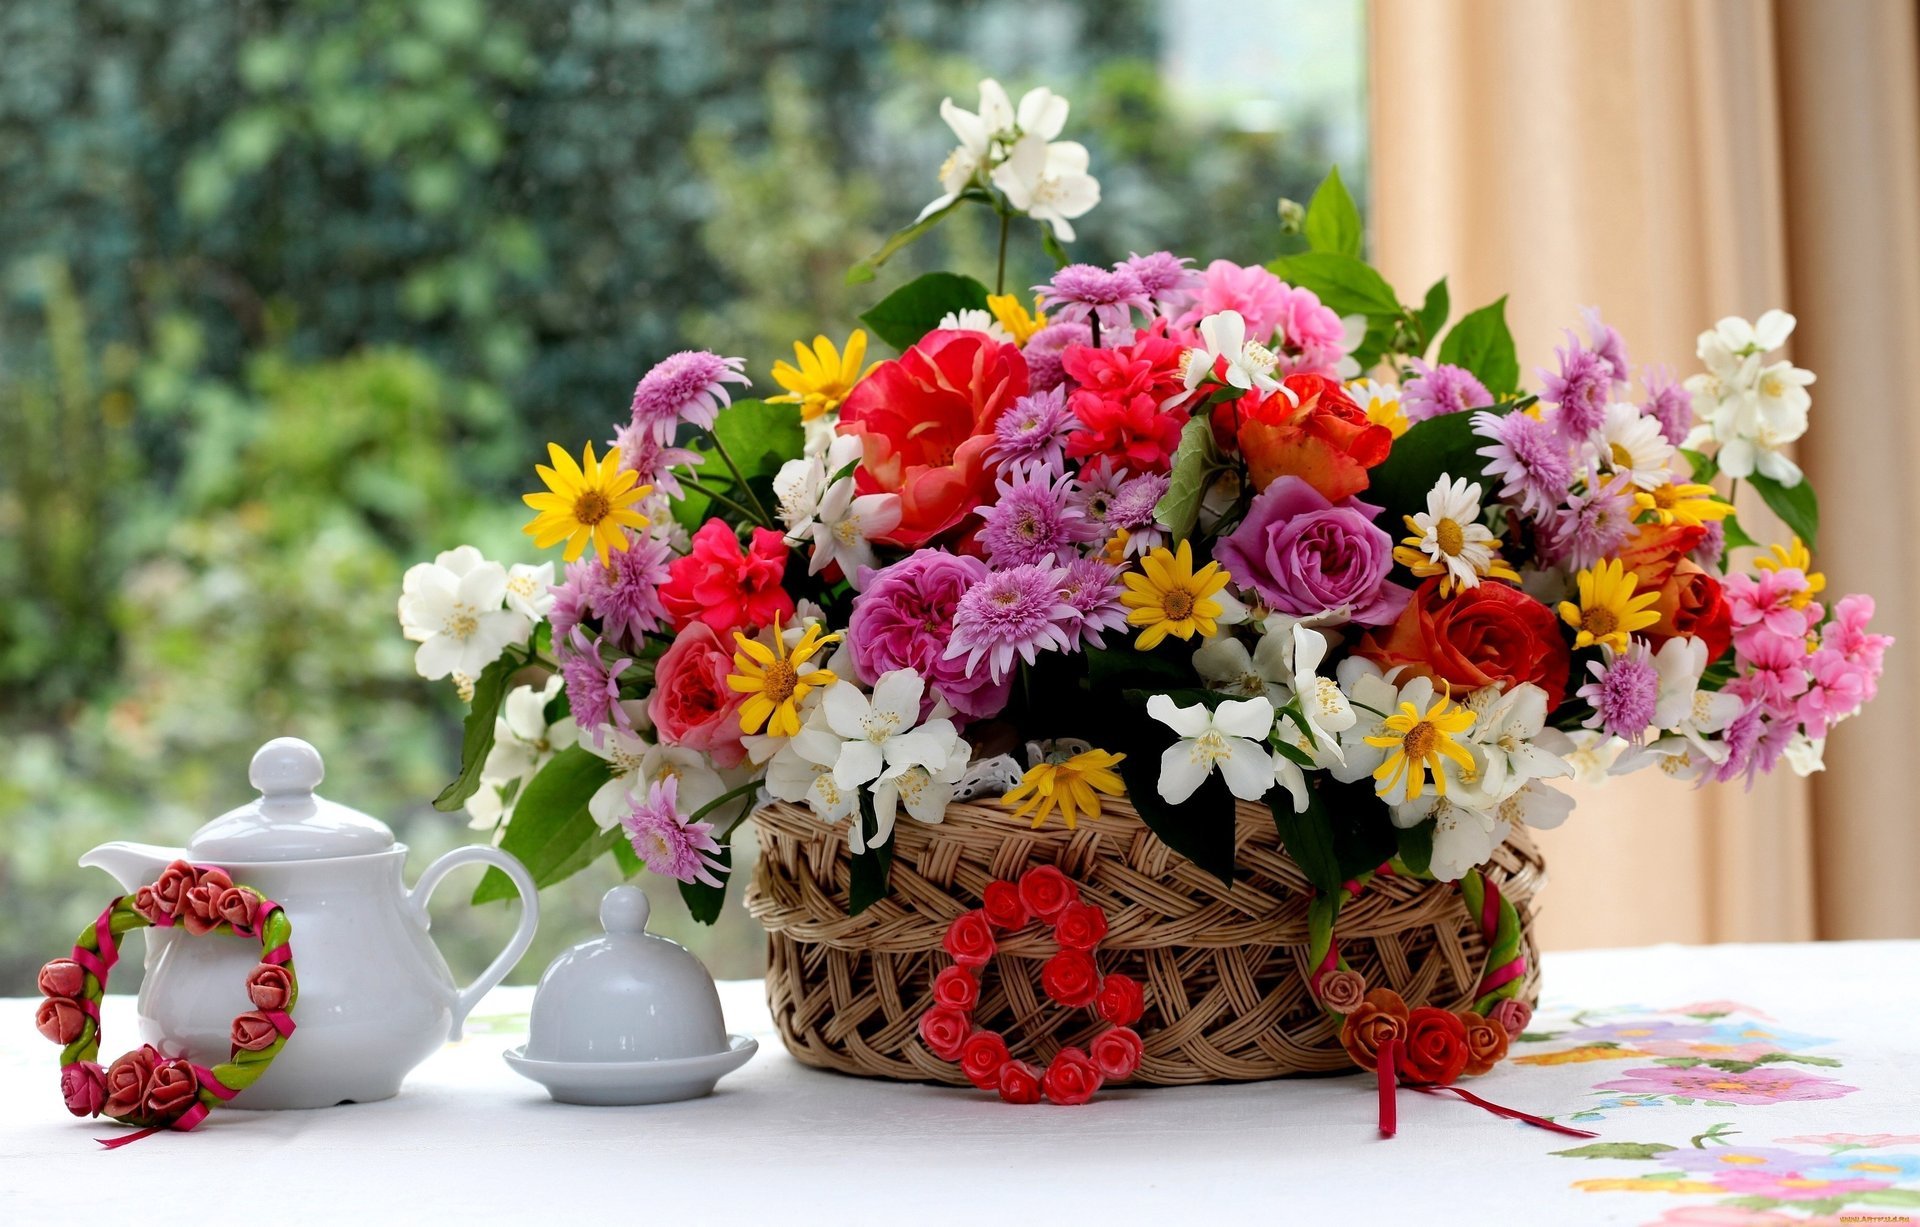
column 1167, row 597
column 588, row 501
column 1795, row 557
column 1687, row 503
column 1382, row 404
column 1014, row 318
column 1416, row 742
column 1609, row 610
column 1073, row 787
column 824, row 377
column 776, row 680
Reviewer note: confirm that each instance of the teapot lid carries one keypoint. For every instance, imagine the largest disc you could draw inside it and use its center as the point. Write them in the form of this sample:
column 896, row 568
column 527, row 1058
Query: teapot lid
column 289, row 821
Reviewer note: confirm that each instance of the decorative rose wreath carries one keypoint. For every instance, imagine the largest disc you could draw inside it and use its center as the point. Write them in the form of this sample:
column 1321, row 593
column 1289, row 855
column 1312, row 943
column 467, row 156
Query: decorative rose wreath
column 1068, row 977
column 145, row 1088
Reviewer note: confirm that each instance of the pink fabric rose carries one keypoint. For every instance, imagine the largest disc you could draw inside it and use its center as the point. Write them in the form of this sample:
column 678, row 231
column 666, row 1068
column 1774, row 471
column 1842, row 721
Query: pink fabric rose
column 1513, row 1014
column 239, row 906
column 60, row 1019
column 127, row 1080
column 1342, row 990
column 172, row 1090
column 63, row 978
column 969, row 939
column 84, row 1084
column 254, row 1032
column 171, row 887
column 148, row 904
column 903, row 619
column 202, row 912
column 691, row 704
column 269, row 987
column 1305, row 554
column 944, row 1030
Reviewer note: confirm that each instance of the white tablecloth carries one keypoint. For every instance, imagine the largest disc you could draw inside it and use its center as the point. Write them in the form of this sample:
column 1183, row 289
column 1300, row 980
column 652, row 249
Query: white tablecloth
column 1825, row 1129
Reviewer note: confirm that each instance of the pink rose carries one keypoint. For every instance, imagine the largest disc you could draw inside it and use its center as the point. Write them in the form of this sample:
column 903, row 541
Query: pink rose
column 1117, row 1052
column 1071, row 1078
column 691, row 704
column 956, row 987
column 1019, row 1082
column 1342, row 990
column 1069, row 977
column 1305, row 554
column 1513, row 1014
column 202, row 914
column 944, row 1029
column 969, row 939
column 1080, row 926
column 903, row 619
column 254, row 1032
column 981, row 1058
column 269, row 987
column 1121, row 1000
column 85, row 1086
column 61, row 1020
column 127, row 1081
column 1045, row 890
column 149, row 906
column 172, row 1090
column 63, row 978
column 239, row 907
column 171, row 887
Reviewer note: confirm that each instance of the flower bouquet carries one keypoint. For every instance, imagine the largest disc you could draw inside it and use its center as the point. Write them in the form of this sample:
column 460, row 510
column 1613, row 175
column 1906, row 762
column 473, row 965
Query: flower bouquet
column 1268, row 608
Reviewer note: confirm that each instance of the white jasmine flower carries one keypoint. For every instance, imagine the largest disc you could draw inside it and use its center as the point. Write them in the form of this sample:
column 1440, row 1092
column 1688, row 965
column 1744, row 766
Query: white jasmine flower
column 1464, row 836
column 626, row 754
column 1373, row 697
column 978, row 133
column 1229, row 668
column 452, row 607
column 1750, row 410
column 1805, row 755
column 523, row 741
column 1249, row 364
column 1231, row 737
column 792, row 777
column 1681, row 707
column 1504, row 741
column 865, row 739
column 1048, row 181
column 530, row 590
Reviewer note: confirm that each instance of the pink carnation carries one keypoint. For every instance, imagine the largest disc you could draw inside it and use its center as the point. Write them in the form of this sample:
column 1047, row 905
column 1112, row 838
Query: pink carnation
column 1311, row 339
column 1260, row 297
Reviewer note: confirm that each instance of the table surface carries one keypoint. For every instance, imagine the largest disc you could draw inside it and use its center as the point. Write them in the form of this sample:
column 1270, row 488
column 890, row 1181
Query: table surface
column 1808, row 1112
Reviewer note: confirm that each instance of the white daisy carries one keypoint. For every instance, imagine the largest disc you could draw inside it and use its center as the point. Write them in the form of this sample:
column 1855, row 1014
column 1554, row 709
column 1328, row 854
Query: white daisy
column 1630, row 443
column 1448, row 539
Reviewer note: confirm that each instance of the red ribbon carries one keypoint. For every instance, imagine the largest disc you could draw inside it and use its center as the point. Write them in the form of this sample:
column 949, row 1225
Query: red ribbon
column 1389, row 1108
column 1388, row 1080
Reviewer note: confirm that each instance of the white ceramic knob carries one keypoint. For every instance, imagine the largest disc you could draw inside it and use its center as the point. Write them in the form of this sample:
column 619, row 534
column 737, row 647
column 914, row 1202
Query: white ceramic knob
column 624, row 909
column 286, row 766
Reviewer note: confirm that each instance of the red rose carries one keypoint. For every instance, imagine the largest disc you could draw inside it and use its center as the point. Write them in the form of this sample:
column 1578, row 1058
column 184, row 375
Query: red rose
column 171, row 1091
column 1486, row 1043
column 254, row 1032
column 981, row 1058
column 1071, row 1078
column 1121, row 1001
column 84, row 1086
column 1019, row 1082
column 956, row 987
column 1069, row 978
column 202, row 912
column 925, row 423
column 1004, row 907
column 969, row 939
column 1436, row 1047
column 63, row 978
column 61, row 1020
column 171, row 887
column 1694, row 605
column 1325, row 439
column 729, row 589
column 1492, row 633
column 944, row 1029
column 1080, row 926
column 239, row 906
column 1045, row 890
column 270, row 987
column 1117, row 1052
column 127, row 1081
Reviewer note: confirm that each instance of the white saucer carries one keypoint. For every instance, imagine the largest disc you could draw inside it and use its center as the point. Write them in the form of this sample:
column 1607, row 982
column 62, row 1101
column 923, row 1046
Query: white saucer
column 620, row 1083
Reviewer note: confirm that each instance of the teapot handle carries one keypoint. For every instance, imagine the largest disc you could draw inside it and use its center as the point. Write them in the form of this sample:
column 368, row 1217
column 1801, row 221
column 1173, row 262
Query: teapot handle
column 470, row 996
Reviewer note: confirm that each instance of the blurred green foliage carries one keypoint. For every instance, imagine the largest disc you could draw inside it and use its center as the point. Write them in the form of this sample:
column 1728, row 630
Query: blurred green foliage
column 291, row 289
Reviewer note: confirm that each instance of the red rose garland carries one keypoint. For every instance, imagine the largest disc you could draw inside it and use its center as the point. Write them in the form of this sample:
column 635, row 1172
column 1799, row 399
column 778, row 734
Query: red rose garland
column 145, row 1087
column 1069, row 977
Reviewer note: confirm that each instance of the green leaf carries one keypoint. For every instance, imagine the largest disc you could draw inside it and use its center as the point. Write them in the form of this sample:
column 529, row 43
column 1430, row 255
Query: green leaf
column 1416, row 848
column 1737, row 537
column 1796, row 506
column 1615, row 1150
column 1179, row 507
column 1124, row 667
column 867, row 880
column 1445, row 444
column 1333, row 223
column 863, row 271
column 1481, row 343
column 916, row 308
column 1347, row 285
column 703, row 901
column 1307, row 839
column 1374, row 343
column 760, row 437
column 551, row 832
column 1201, row 828
column 1432, row 316
column 625, row 857
column 476, row 738
column 1344, row 831
column 1050, row 243
column 1705, row 468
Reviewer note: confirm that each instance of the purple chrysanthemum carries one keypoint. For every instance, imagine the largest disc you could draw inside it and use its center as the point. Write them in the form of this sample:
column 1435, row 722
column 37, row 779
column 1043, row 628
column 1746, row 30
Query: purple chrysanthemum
column 1579, row 392
column 653, row 459
column 1165, row 278
column 1033, row 520
column 1018, row 612
column 1592, row 526
column 1604, row 339
column 1132, row 509
column 1740, row 739
column 1712, row 547
column 1668, row 403
column 1440, row 389
column 1045, row 370
column 573, row 597
column 1623, row 694
column 690, row 386
column 628, row 602
column 1530, row 460
column 1110, row 297
column 666, row 842
column 1033, row 432
column 1093, row 589
column 593, row 689
column 1098, row 486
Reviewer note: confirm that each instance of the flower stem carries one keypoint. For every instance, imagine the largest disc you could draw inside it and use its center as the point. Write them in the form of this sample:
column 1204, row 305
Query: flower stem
column 718, row 497
column 1000, row 276
column 722, row 799
column 739, row 478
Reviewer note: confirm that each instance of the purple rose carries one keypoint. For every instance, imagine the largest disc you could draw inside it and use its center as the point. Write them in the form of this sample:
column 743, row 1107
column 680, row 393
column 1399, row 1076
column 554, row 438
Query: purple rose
column 1305, row 555
column 903, row 619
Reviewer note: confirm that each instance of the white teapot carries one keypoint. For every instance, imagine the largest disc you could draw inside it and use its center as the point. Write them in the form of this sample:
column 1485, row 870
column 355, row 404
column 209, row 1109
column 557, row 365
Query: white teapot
column 376, row 997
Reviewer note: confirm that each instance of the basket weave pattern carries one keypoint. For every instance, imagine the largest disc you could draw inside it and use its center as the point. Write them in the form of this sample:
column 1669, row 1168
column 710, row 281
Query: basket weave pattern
column 1224, row 971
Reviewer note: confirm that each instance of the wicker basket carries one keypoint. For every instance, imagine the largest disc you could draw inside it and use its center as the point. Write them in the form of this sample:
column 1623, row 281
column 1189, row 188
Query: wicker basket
column 1224, row 971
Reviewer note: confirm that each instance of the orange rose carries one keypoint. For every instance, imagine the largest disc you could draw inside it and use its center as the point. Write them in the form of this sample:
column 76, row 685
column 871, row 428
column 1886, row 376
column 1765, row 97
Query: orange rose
column 1325, row 439
column 1487, row 634
column 1692, row 604
column 1381, row 1017
column 1486, row 1043
column 1655, row 550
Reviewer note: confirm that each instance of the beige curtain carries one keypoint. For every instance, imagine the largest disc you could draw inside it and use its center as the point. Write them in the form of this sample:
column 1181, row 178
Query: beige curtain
column 1674, row 161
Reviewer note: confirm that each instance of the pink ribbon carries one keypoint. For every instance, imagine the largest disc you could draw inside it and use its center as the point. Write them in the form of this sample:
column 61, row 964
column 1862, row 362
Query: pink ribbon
column 208, row 1082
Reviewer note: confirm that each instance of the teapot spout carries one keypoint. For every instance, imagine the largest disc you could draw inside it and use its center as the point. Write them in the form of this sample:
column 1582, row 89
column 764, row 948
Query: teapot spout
column 131, row 864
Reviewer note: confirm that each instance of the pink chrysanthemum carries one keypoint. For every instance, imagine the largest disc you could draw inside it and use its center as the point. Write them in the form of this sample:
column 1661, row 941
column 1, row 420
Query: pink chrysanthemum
column 1045, row 368
column 1099, row 484
column 573, row 597
column 1740, row 739
column 593, row 689
column 1579, row 392
column 1165, row 278
column 654, row 460
column 1033, row 432
column 628, row 601
column 666, row 842
column 1623, row 694
column 1108, row 296
column 1093, row 589
column 1442, row 388
column 1132, row 509
column 1604, row 339
column 1592, row 526
column 690, row 386
column 1530, row 460
column 1014, row 613
column 1033, row 520
column 1712, row 547
column 1668, row 403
